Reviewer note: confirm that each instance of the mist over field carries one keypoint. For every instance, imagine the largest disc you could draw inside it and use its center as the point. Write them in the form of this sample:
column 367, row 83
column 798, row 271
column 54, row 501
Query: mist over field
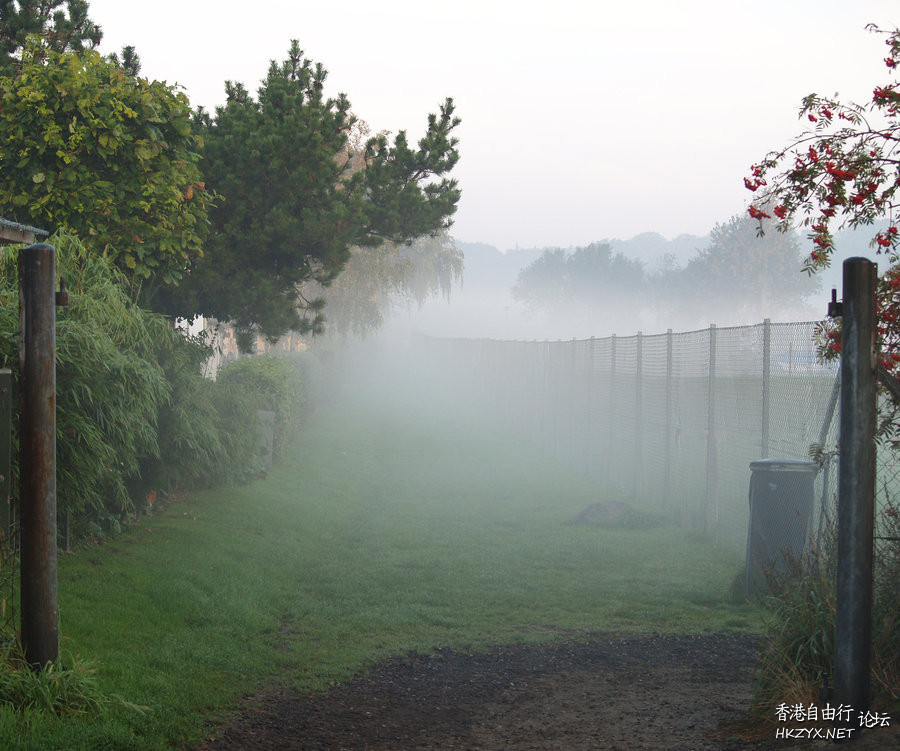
column 482, row 304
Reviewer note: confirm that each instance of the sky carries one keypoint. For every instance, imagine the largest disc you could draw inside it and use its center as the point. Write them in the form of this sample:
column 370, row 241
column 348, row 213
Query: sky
column 581, row 121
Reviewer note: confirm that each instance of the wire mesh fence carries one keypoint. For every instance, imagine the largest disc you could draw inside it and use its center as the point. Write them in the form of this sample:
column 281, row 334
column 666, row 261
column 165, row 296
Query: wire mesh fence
column 9, row 583
column 671, row 421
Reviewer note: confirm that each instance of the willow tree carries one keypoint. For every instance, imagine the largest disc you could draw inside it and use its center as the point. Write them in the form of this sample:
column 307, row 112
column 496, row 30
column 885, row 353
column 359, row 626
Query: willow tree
column 376, row 281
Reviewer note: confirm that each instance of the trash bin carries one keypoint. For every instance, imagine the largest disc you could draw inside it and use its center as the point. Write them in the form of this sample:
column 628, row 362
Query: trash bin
column 781, row 499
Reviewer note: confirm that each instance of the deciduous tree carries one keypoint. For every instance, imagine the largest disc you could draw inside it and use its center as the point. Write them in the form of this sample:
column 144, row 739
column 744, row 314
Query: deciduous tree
column 84, row 146
column 843, row 170
column 750, row 276
column 376, row 280
column 593, row 277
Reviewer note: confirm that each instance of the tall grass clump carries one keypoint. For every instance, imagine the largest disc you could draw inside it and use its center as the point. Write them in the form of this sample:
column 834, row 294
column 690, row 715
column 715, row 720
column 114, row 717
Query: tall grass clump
column 206, row 429
column 55, row 689
column 797, row 659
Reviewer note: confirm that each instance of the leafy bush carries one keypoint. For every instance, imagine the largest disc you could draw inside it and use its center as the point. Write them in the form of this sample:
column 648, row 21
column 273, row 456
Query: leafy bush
column 270, row 382
column 206, row 429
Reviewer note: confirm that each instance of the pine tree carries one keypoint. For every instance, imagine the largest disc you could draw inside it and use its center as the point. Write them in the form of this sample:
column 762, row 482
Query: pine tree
column 297, row 196
column 62, row 25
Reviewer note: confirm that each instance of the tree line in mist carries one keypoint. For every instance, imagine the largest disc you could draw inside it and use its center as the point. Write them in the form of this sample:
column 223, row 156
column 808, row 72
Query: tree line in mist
column 739, row 277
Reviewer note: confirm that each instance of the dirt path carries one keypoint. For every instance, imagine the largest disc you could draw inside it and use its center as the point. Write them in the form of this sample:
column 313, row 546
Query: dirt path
column 612, row 692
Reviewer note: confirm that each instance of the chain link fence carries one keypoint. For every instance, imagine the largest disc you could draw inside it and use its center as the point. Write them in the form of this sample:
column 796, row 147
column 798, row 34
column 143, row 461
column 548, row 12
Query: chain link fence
column 670, row 422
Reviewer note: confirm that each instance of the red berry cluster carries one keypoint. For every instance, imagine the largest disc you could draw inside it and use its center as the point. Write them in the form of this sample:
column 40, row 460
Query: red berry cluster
column 887, row 239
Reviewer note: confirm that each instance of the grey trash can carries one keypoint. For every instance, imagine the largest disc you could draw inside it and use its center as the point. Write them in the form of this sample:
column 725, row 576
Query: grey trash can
column 781, row 499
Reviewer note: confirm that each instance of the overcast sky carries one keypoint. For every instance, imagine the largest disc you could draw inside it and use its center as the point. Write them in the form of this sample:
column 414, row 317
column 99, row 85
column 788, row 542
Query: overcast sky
column 582, row 120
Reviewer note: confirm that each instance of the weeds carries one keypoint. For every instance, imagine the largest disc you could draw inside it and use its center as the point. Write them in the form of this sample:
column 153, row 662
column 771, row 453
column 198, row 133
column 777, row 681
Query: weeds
column 797, row 659
column 56, row 689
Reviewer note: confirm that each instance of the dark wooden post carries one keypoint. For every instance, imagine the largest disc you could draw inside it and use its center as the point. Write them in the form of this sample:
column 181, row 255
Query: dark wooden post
column 856, row 487
column 37, row 362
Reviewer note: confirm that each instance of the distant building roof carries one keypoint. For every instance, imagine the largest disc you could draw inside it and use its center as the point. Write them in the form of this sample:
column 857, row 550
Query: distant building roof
column 13, row 232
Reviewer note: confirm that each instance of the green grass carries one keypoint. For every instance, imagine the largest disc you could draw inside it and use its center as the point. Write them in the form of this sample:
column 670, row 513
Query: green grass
column 383, row 530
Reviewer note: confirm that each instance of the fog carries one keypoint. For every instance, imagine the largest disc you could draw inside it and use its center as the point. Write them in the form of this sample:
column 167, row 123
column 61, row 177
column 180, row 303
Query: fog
column 606, row 407
column 674, row 101
column 482, row 304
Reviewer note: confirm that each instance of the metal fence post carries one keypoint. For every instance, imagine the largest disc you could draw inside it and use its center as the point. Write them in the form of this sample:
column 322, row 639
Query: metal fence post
column 37, row 353
column 589, row 401
column 667, row 480
column 856, row 487
column 766, row 387
column 610, row 441
column 711, row 512
column 639, row 415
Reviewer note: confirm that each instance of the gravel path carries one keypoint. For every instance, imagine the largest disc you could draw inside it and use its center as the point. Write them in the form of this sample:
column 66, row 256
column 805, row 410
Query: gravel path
column 673, row 692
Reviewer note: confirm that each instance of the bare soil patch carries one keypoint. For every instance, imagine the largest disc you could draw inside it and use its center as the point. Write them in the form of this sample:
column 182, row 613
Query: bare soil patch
column 673, row 692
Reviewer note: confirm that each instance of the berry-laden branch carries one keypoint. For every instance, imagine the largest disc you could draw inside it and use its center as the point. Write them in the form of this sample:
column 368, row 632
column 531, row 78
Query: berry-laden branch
column 842, row 171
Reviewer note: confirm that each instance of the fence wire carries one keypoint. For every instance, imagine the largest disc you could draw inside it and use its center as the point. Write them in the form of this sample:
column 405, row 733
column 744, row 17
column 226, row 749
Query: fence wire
column 9, row 584
column 671, row 421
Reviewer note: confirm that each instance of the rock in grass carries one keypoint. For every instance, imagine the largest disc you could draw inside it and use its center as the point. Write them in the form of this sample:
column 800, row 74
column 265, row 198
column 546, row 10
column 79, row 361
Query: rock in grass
column 606, row 514
column 617, row 514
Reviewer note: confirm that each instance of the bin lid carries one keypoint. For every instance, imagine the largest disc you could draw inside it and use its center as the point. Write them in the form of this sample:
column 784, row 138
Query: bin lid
column 784, row 465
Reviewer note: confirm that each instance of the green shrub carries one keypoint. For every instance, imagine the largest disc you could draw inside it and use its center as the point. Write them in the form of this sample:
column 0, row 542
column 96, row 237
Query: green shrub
column 206, row 429
column 270, row 382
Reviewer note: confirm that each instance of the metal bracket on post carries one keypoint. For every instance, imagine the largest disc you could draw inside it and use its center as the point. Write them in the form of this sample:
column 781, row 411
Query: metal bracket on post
column 835, row 307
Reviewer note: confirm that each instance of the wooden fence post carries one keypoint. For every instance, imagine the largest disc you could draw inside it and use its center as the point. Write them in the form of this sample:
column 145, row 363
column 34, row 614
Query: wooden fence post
column 37, row 361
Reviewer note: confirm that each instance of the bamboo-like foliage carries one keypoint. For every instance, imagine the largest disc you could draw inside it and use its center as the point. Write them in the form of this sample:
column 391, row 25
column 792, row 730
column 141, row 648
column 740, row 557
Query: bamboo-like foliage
column 269, row 382
column 207, row 430
column 134, row 413
column 109, row 387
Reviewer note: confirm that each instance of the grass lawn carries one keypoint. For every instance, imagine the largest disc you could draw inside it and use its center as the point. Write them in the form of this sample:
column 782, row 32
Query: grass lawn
column 384, row 529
